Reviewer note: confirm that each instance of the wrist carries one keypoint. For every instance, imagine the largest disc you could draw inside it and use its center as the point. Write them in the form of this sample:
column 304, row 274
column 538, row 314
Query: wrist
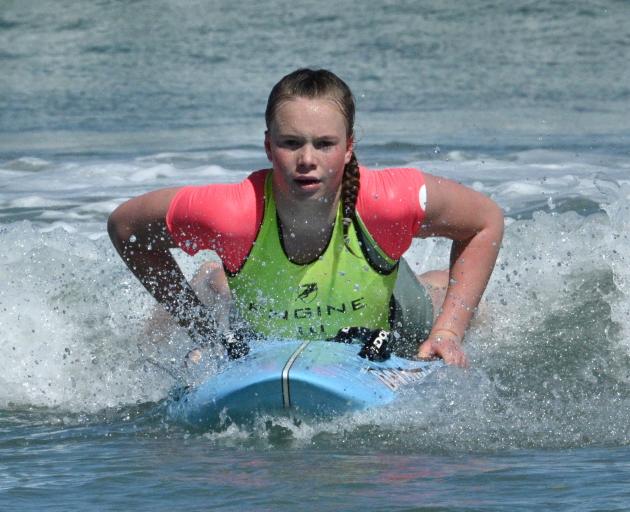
column 444, row 333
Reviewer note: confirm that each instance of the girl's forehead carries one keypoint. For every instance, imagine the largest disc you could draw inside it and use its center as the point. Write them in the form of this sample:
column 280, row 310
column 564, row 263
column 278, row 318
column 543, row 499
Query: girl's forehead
column 314, row 105
column 310, row 110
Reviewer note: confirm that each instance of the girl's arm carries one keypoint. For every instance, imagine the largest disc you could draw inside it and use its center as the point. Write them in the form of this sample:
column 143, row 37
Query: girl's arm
column 475, row 224
column 138, row 231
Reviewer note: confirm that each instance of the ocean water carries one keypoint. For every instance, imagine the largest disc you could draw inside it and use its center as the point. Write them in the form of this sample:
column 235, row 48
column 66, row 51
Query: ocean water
column 526, row 101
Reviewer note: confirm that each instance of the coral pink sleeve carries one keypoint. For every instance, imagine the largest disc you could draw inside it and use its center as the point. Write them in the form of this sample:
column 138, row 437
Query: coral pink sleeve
column 392, row 205
column 224, row 218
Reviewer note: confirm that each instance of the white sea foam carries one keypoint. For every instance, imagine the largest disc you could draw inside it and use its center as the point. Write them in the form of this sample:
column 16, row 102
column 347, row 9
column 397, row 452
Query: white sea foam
column 35, row 201
column 550, row 337
column 26, row 164
column 68, row 337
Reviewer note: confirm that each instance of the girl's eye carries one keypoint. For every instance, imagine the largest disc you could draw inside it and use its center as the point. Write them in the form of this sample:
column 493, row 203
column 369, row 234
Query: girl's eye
column 291, row 143
column 324, row 144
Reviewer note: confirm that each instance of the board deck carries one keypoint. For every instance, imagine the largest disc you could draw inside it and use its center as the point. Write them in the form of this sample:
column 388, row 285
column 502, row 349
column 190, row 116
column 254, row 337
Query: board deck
column 308, row 378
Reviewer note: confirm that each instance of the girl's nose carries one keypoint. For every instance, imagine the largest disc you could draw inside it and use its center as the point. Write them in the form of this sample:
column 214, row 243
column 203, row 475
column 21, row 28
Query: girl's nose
column 307, row 155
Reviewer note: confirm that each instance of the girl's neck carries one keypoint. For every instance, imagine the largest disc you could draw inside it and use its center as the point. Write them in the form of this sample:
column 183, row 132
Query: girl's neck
column 306, row 227
column 306, row 216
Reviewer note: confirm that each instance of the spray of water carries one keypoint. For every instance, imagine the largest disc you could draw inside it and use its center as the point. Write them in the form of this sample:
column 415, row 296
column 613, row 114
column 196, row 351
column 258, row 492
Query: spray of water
column 549, row 347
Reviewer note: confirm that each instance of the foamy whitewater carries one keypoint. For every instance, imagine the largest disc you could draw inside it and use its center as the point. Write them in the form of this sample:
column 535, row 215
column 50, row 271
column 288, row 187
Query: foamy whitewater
column 526, row 102
column 549, row 348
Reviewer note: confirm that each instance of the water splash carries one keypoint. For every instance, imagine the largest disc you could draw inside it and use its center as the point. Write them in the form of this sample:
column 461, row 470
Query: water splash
column 549, row 348
column 71, row 324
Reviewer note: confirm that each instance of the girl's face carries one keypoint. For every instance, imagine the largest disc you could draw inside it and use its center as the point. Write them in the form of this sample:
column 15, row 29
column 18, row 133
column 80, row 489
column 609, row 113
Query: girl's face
column 309, row 148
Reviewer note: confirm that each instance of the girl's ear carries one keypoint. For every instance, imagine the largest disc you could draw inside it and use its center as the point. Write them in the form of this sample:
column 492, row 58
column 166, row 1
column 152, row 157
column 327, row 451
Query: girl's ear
column 268, row 145
column 349, row 149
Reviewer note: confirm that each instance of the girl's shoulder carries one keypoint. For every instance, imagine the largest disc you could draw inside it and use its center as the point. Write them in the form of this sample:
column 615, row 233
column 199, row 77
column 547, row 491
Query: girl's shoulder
column 223, row 217
column 391, row 205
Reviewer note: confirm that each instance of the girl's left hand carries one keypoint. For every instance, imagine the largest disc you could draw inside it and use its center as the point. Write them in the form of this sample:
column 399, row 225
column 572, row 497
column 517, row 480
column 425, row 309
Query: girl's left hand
column 445, row 345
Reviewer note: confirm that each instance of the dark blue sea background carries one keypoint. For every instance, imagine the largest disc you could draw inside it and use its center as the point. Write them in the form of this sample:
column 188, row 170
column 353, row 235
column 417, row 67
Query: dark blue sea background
column 525, row 101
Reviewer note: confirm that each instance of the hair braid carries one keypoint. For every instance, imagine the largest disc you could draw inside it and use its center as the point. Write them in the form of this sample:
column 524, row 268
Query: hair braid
column 349, row 194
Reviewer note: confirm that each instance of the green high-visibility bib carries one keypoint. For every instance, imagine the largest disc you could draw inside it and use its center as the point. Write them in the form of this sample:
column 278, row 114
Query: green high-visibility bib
column 279, row 298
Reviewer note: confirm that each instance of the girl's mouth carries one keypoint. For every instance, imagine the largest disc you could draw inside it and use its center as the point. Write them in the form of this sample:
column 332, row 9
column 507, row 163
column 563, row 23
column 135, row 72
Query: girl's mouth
column 307, row 182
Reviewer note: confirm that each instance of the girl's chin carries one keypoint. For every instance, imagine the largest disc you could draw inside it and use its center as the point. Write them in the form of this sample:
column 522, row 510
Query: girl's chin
column 313, row 193
column 308, row 190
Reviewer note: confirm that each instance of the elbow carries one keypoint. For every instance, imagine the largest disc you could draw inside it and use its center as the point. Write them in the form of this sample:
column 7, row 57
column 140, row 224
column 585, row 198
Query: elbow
column 118, row 227
column 140, row 222
column 498, row 220
column 494, row 224
column 490, row 223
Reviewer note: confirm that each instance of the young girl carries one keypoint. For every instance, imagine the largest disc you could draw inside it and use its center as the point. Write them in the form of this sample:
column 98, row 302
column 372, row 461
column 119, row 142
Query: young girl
column 315, row 243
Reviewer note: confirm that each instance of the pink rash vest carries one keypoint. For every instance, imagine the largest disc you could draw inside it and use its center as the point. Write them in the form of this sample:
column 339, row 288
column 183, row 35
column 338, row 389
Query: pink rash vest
column 226, row 217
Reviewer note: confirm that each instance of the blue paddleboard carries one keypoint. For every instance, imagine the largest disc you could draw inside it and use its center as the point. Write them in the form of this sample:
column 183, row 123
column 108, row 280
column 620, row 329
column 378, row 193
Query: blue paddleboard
column 303, row 378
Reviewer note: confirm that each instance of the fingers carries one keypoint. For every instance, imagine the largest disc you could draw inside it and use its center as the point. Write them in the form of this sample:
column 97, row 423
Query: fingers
column 445, row 348
column 192, row 358
column 456, row 358
column 426, row 351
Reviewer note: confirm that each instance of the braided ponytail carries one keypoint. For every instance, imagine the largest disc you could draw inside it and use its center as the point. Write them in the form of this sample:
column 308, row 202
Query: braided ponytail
column 349, row 193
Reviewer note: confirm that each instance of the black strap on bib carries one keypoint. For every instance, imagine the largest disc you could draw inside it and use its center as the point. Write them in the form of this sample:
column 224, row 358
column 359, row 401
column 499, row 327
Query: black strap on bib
column 374, row 342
